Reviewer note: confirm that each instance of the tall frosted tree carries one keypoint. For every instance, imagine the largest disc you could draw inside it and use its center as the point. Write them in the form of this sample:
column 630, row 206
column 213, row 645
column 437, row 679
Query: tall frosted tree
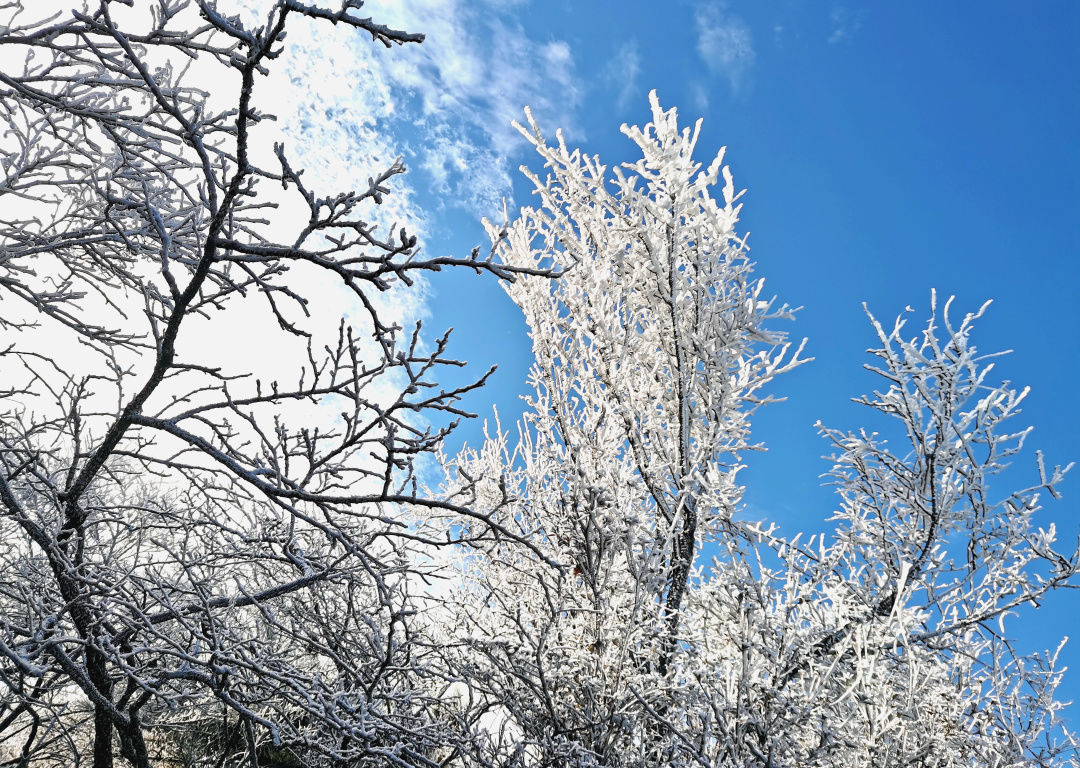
column 610, row 640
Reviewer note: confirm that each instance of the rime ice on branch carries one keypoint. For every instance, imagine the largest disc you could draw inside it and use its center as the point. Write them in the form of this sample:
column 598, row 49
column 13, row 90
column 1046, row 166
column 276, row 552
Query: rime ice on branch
column 197, row 561
column 879, row 645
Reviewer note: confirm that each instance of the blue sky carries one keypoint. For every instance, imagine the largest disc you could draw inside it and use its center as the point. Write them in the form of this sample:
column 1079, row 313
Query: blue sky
column 887, row 148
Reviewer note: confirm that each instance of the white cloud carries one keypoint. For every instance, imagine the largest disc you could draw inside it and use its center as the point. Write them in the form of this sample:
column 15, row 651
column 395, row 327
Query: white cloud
column 845, row 23
column 452, row 97
column 725, row 45
column 557, row 54
column 622, row 72
column 472, row 76
column 467, row 170
column 700, row 95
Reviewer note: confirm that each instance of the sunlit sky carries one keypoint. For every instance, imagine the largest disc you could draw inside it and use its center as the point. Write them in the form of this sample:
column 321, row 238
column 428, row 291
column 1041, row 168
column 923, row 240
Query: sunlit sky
column 888, row 148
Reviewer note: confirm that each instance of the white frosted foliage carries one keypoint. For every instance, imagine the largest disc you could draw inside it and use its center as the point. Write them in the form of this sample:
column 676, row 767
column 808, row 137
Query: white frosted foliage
column 602, row 637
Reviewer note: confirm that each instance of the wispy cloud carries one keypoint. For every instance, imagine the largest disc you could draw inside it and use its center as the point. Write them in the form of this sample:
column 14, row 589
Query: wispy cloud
column 700, row 94
column 622, row 72
column 472, row 76
column 845, row 23
column 725, row 45
column 451, row 98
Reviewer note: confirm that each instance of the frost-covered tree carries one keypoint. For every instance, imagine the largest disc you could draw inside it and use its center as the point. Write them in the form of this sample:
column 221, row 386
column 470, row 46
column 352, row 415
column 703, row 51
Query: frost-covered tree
column 200, row 561
column 600, row 635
